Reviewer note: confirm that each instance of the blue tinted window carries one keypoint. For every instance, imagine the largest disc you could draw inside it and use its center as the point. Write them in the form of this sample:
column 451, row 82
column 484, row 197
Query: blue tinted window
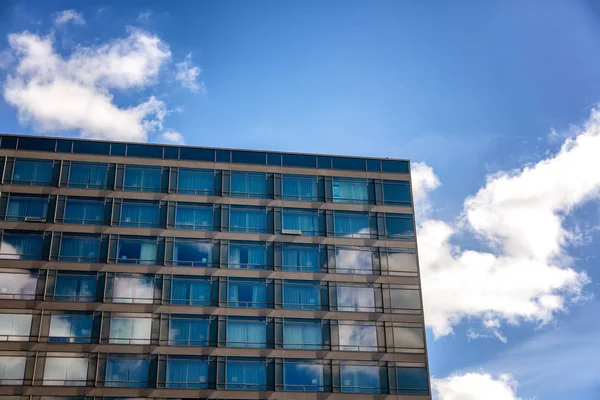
column 192, row 181
column 248, row 219
column 80, row 249
column 396, row 193
column 302, row 295
column 127, row 371
column 70, row 287
column 299, row 160
column 412, row 380
column 396, row 166
column 70, row 328
column 192, row 253
column 373, row 165
column 303, row 376
column 248, row 256
column 350, row 224
column 246, row 375
column 274, row 159
column 136, row 251
column 194, row 216
column 360, row 378
column 300, row 222
column 223, row 156
column 142, row 179
column 88, row 176
column 64, row 146
column 143, row 150
column 298, row 187
column 246, row 333
column 188, row 153
column 140, row 214
column 301, row 258
column 183, row 372
column 9, row 142
column 190, row 291
column 82, row 147
column 188, row 331
column 170, row 153
column 348, row 190
column 117, row 149
column 245, row 184
column 248, row 157
column 302, row 335
column 26, row 209
column 22, row 246
column 353, row 261
column 355, row 164
column 36, row 144
column 32, row 172
column 324, row 162
column 80, row 211
column 399, row 226
column 247, row 294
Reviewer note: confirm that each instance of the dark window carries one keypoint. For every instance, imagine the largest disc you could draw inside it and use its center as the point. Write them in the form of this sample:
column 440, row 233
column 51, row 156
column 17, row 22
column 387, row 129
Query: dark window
column 21, row 246
column 142, row 179
column 32, row 172
column 373, row 165
column 396, row 166
column 324, row 162
column 192, row 181
column 362, row 378
column 191, row 291
column 187, row 372
column 412, row 380
column 143, row 150
column 140, row 214
column 303, row 376
column 274, row 159
column 245, row 374
column 396, row 193
column 248, row 157
column 354, row 164
column 247, row 294
column 79, row 248
column 36, row 144
column 26, row 208
column 194, row 154
column 64, row 146
column 299, row 160
column 88, row 176
column 124, row 370
column 399, row 226
column 75, row 287
column 192, row 253
column 82, row 147
column 83, row 211
column 117, row 149
column 137, row 251
column 171, row 153
column 223, row 156
column 9, row 142
column 247, row 256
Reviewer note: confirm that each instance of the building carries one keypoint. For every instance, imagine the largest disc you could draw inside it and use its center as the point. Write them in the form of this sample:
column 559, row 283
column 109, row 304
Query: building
column 138, row 270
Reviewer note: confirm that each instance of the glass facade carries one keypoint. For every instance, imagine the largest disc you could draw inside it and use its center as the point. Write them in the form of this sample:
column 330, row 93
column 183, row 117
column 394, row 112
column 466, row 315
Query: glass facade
column 240, row 271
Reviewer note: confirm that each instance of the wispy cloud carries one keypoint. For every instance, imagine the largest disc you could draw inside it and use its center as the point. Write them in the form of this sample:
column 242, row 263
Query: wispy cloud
column 187, row 74
column 144, row 17
column 68, row 16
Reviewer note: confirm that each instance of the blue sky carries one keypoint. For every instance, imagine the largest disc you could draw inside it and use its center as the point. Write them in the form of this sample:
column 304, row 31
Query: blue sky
column 469, row 88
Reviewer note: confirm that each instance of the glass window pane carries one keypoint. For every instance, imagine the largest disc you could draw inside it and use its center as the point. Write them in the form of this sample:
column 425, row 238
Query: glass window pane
column 15, row 327
column 36, row 144
column 144, row 150
column 399, row 226
column 246, row 219
column 354, row 298
column 79, row 249
column 355, row 164
column 70, row 328
column 82, row 147
column 32, row 172
column 302, row 335
column 396, row 193
column 170, row 152
column 130, row 330
column 9, row 142
column 142, row 179
column 191, row 291
column 140, row 214
column 192, row 253
column 17, row 286
column 12, row 370
column 247, row 256
column 400, row 167
column 303, row 377
column 246, row 184
column 187, row 373
column 356, row 225
column 402, row 262
column 117, row 149
column 360, row 378
column 246, row 333
column 353, row 261
column 373, row 165
column 193, row 181
column 346, row 190
column 194, row 216
column 88, row 176
column 248, row 157
column 407, row 299
column 133, row 290
column 247, row 294
column 31, row 209
column 127, row 372
column 71, row 287
column 65, row 371
column 223, row 156
column 188, row 332
column 300, row 222
column 412, row 380
column 301, row 258
column 274, row 159
column 137, row 251
column 21, row 246
column 298, row 187
column 299, row 160
column 354, row 337
column 245, row 375
column 409, row 337
column 79, row 211
column 304, row 296
column 195, row 154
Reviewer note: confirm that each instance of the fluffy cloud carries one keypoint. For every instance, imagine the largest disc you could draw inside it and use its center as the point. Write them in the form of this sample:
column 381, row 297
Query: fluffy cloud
column 519, row 215
column 172, row 137
column 68, row 16
column 187, row 74
column 475, row 386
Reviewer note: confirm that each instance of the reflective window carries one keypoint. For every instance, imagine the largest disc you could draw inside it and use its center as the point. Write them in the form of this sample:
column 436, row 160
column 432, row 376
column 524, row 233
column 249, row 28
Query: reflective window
column 90, row 147
column 137, row 251
column 247, row 256
column 190, row 153
column 401, row 262
column 21, row 208
column 88, row 176
column 193, row 181
column 360, row 378
column 299, row 187
column 32, row 172
column 397, row 166
column 353, row 261
column 133, row 290
column 302, row 334
column 80, row 248
column 407, row 299
column 248, row 157
column 21, row 246
column 399, row 226
column 71, row 328
column 248, row 184
column 75, row 287
column 126, row 371
column 349, row 190
column 357, row 337
column 130, row 328
column 247, row 294
column 410, row 337
column 187, row 372
column 248, row 219
column 397, row 193
column 300, row 222
column 301, row 258
column 15, row 327
column 304, row 295
column 65, row 371
column 194, row 216
column 192, row 253
column 140, row 214
column 191, row 291
column 352, row 224
column 17, row 286
column 144, row 150
column 246, row 333
column 412, row 380
column 302, row 376
column 356, row 164
column 83, row 211
column 12, row 370
column 142, row 179
column 36, row 143
column 299, row 160
column 355, row 298
column 188, row 331
column 245, row 374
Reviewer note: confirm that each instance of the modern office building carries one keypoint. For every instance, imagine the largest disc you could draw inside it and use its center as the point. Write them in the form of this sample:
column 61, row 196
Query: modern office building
column 172, row 272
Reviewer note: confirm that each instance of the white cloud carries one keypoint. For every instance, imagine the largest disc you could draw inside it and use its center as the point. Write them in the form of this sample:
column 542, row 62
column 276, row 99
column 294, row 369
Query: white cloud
column 519, row 215
column 55, row 92
column 424, row 180
column 187, row 74
column 144, row 16
column 475, row 386
column 172, row 137
column 66, row 16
